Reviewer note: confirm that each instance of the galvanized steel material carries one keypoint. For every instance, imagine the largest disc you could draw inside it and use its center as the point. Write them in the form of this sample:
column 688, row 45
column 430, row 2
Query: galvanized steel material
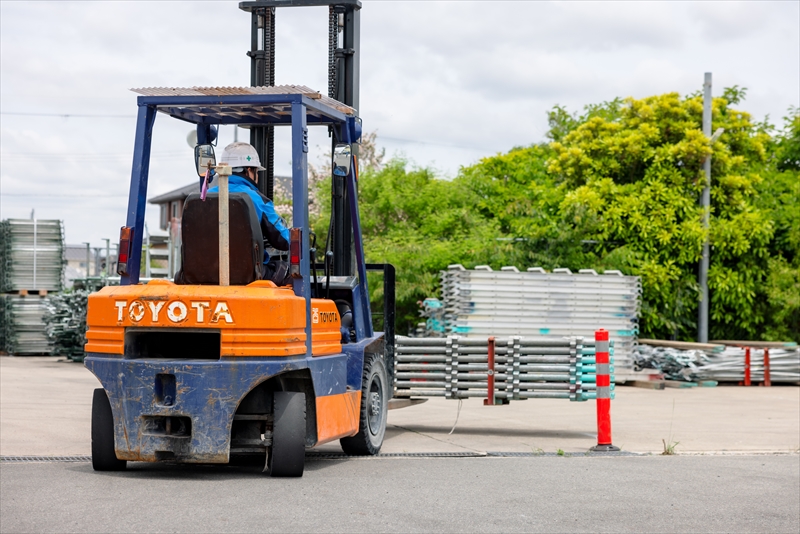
column 728, row 365
column 457, row 368
column 24, row 328
column 234, row 91
column 66, row 323
column 31, row 255
column 537, row 304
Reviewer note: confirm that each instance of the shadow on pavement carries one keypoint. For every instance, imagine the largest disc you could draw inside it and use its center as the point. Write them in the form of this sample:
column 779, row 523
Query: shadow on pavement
column 167, row 471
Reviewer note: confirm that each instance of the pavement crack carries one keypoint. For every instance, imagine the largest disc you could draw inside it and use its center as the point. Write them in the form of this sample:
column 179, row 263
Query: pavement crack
column 436, row 439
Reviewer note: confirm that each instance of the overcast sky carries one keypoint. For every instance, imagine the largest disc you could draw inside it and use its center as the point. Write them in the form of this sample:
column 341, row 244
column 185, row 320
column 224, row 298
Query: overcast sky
column 443, row 83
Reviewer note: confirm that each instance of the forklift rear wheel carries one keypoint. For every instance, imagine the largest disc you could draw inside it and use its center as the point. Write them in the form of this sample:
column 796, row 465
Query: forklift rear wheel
column 372, row 423
column 288, row 451
column 103, row 456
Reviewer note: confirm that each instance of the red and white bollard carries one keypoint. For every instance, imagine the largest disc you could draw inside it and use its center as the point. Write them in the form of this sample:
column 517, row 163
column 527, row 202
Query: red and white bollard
column 603, row 383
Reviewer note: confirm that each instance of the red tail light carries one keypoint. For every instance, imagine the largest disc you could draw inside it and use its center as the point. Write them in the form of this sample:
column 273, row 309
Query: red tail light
column 125, row 243
column 295, row 248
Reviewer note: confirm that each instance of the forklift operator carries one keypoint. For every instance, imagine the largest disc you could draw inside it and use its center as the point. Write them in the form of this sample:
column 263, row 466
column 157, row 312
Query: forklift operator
column 243, row 159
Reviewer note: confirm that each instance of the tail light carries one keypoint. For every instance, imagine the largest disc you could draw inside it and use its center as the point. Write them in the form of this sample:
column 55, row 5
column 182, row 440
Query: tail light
column 295, row 248
column 125, row 242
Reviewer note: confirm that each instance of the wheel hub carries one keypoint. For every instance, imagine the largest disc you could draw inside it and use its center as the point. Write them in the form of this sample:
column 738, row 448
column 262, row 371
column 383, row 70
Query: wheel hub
column 375, row 408
column 376, row 404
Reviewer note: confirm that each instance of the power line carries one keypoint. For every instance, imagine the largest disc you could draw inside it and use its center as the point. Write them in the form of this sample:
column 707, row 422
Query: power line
column 88, row 196
column 24, row 156
column 104, row 116
column 68, row 115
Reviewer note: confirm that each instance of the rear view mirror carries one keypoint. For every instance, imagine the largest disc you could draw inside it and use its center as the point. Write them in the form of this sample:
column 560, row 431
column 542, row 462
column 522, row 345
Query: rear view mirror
column 204, row 158
column 342, row 160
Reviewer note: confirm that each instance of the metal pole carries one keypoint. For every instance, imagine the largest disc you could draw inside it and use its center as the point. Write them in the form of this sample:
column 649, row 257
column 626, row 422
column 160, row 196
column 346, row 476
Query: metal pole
column 705, row 203
column 301, row 285
column 224, row 227
column 490, row 391
column 747, row 366
column 146, row 253
column 88, row 257
column 34, row 253
column 108, row 256
column 262, row 73
column 97, row 260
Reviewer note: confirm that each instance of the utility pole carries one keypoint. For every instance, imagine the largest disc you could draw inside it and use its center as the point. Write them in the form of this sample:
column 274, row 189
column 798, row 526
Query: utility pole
column 108, row 257
column 705, row 203
column 88, row 257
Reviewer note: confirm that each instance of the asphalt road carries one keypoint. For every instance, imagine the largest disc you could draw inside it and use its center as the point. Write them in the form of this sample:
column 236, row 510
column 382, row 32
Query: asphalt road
column 538, row 494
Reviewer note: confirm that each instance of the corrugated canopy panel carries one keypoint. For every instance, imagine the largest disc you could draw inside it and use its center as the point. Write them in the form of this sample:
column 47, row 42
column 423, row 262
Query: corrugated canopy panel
column 227, row 111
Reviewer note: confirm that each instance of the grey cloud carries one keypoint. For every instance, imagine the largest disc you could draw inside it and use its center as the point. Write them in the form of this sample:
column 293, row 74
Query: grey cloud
column 480, row 76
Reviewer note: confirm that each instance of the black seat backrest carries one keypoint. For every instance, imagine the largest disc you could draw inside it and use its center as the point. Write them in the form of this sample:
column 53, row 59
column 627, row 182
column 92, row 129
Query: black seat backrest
column 200, row 235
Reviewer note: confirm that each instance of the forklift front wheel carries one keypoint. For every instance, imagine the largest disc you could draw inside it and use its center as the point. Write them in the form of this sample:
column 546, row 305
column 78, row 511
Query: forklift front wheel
column 373, row 414
column 288, row 451
column 103, row 456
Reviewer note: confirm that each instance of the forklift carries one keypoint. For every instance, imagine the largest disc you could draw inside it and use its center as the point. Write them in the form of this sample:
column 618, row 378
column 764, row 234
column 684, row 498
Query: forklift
column 224, row 365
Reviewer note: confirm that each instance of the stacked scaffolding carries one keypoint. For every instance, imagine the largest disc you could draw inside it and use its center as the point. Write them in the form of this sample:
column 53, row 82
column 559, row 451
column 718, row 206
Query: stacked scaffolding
column 31, row 266
column 541, row 305
column 23, row 325
column 458, row 368
column 31, row 255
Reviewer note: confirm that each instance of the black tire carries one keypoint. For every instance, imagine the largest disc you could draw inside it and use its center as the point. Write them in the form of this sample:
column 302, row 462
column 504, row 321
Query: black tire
column 103, row 456
column 287, row 454
column 374, row 406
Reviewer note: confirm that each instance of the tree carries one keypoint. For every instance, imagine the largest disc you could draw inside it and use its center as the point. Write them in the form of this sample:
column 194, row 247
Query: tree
column 617, row 188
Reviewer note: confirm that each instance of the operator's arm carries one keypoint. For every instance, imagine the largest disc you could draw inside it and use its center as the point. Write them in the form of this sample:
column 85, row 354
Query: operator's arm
column 273, row 228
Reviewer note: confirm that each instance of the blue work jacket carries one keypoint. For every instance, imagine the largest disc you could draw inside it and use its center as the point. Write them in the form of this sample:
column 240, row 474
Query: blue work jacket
column 272, row 227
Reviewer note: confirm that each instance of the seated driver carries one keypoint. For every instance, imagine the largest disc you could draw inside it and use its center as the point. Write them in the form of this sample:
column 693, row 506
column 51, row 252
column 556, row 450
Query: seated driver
column 243, row 159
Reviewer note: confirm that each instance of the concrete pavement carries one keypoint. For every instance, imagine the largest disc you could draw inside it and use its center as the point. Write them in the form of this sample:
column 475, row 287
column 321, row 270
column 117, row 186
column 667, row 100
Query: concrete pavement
column 45, row 409
column 545, row 494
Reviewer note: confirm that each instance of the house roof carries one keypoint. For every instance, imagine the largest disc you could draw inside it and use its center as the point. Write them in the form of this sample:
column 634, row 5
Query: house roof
column 182, row 192
column 177, row 194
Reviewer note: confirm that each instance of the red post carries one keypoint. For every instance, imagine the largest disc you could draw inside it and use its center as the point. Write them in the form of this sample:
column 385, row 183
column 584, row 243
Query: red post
column 747, row 366
column 767, row 378
column 489, row 400
column 603, row 395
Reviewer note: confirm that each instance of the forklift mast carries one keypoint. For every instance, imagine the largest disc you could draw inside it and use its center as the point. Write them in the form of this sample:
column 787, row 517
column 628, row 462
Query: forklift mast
column 344, row 41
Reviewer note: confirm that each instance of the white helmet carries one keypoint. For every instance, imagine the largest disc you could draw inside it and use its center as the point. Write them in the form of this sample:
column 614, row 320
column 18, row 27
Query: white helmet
column 240, row 155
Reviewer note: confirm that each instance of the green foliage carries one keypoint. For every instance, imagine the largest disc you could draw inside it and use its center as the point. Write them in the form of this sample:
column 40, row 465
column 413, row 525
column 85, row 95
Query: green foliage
column 617, row 188
column 420, row 224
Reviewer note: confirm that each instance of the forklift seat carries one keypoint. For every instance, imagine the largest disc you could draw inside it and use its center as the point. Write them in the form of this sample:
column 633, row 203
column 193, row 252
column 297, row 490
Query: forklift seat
column 200, row 235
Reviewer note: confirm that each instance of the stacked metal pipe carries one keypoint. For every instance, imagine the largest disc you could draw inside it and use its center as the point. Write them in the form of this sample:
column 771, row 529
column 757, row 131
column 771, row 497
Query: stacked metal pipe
column 670, row 361
column 541, row 305
column 728, row 365
column 457, row 368
column 23, row 324
column 31, row 255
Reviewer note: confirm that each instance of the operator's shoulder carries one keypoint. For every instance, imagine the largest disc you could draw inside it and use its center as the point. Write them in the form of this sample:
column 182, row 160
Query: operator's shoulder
column 261, row 196
column 257, row 196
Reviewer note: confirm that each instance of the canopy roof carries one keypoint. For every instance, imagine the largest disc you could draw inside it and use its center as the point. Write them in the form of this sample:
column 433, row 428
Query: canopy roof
column 243, row 105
